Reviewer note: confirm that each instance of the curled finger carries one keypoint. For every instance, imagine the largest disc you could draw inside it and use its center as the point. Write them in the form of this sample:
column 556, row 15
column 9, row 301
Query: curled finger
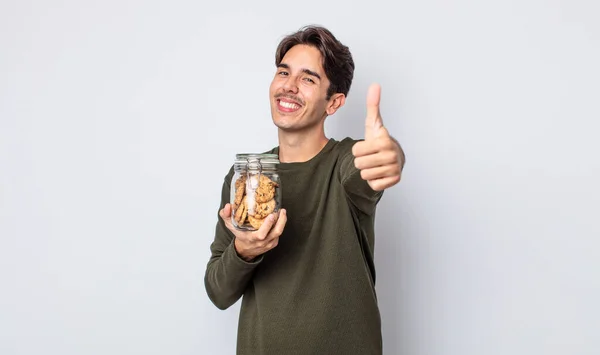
column 277, row 230
column 263, row 231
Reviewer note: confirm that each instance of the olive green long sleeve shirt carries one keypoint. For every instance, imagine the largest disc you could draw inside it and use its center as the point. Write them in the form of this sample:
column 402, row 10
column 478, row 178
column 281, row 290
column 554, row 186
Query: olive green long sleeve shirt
column 314, row 293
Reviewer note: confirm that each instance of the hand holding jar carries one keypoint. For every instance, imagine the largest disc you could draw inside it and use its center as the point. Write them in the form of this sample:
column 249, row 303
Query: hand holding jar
column 250, row 244
column 254, row 214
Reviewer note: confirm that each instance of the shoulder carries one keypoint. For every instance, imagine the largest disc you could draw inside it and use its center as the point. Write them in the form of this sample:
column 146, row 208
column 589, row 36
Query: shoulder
column 344, row 146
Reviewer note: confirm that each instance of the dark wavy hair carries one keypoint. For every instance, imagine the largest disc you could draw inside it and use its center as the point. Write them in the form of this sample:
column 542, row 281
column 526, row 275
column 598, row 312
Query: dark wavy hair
column 337, row 59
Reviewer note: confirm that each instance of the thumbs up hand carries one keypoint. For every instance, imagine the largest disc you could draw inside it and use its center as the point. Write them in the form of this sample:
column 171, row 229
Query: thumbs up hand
column 379, row 157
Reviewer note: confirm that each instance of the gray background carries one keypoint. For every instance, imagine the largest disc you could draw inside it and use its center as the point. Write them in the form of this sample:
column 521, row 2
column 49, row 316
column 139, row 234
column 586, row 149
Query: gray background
column 109, row 178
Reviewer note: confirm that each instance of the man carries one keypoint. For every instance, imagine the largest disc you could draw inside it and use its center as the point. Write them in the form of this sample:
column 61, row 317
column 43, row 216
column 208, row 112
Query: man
column 307, row 275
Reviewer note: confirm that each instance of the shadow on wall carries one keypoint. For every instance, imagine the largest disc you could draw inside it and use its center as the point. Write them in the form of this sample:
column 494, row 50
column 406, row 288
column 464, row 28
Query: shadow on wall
column 393, row 264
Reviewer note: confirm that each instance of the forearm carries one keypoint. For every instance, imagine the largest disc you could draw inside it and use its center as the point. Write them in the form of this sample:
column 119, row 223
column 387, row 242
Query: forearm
column 358, row 191
column 227, row 276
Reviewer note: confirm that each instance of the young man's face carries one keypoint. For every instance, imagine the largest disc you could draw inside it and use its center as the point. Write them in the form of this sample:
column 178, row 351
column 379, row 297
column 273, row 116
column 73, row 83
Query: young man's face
column 299, row 89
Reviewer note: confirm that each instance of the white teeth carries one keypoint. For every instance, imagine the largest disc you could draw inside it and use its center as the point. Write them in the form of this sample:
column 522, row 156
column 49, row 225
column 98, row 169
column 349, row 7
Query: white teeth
column 288, row 105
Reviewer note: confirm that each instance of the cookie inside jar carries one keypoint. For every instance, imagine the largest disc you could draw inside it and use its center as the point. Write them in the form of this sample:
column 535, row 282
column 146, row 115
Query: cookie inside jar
column 255, row 190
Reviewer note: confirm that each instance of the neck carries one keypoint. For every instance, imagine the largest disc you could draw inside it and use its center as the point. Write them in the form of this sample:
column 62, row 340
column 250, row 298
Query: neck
column 301, row 146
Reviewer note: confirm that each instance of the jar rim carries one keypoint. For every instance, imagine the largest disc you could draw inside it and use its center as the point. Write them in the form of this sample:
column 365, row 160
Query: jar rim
column 263, row 157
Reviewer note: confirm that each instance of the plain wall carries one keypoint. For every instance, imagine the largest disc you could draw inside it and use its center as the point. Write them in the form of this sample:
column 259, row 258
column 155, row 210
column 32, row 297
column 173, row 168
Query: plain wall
column 119, row 120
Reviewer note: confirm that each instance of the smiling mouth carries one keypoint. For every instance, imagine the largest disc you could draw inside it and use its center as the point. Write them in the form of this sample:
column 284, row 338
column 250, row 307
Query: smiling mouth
column 287, row 106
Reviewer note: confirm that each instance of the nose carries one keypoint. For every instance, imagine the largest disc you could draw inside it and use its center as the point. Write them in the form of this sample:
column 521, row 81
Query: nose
column 290, row 85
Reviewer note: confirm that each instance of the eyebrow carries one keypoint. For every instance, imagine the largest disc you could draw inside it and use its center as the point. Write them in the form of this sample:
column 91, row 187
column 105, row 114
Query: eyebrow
column 307, row 71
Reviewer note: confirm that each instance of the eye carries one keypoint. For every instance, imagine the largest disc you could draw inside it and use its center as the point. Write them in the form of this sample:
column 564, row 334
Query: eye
column 283, row 72
column 309, row 80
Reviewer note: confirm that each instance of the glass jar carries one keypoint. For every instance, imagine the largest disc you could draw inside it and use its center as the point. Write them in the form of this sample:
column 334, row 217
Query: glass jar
column 255, row 190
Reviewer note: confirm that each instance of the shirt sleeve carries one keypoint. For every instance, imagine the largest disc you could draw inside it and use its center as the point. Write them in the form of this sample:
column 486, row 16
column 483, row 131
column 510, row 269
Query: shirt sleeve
column 227, row 274
column 358, row 191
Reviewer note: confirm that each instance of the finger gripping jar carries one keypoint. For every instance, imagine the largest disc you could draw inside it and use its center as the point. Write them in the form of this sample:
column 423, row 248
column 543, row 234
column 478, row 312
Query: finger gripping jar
column 255, row 190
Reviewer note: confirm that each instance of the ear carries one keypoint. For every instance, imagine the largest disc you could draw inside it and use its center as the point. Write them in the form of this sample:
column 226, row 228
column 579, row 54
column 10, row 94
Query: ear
column 335, row 102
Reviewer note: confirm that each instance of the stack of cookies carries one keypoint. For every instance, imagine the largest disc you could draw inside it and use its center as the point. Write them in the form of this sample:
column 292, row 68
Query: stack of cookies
column 254, row 200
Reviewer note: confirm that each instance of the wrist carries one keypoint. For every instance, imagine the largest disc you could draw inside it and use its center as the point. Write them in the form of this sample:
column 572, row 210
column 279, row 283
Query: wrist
column 240, row 253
